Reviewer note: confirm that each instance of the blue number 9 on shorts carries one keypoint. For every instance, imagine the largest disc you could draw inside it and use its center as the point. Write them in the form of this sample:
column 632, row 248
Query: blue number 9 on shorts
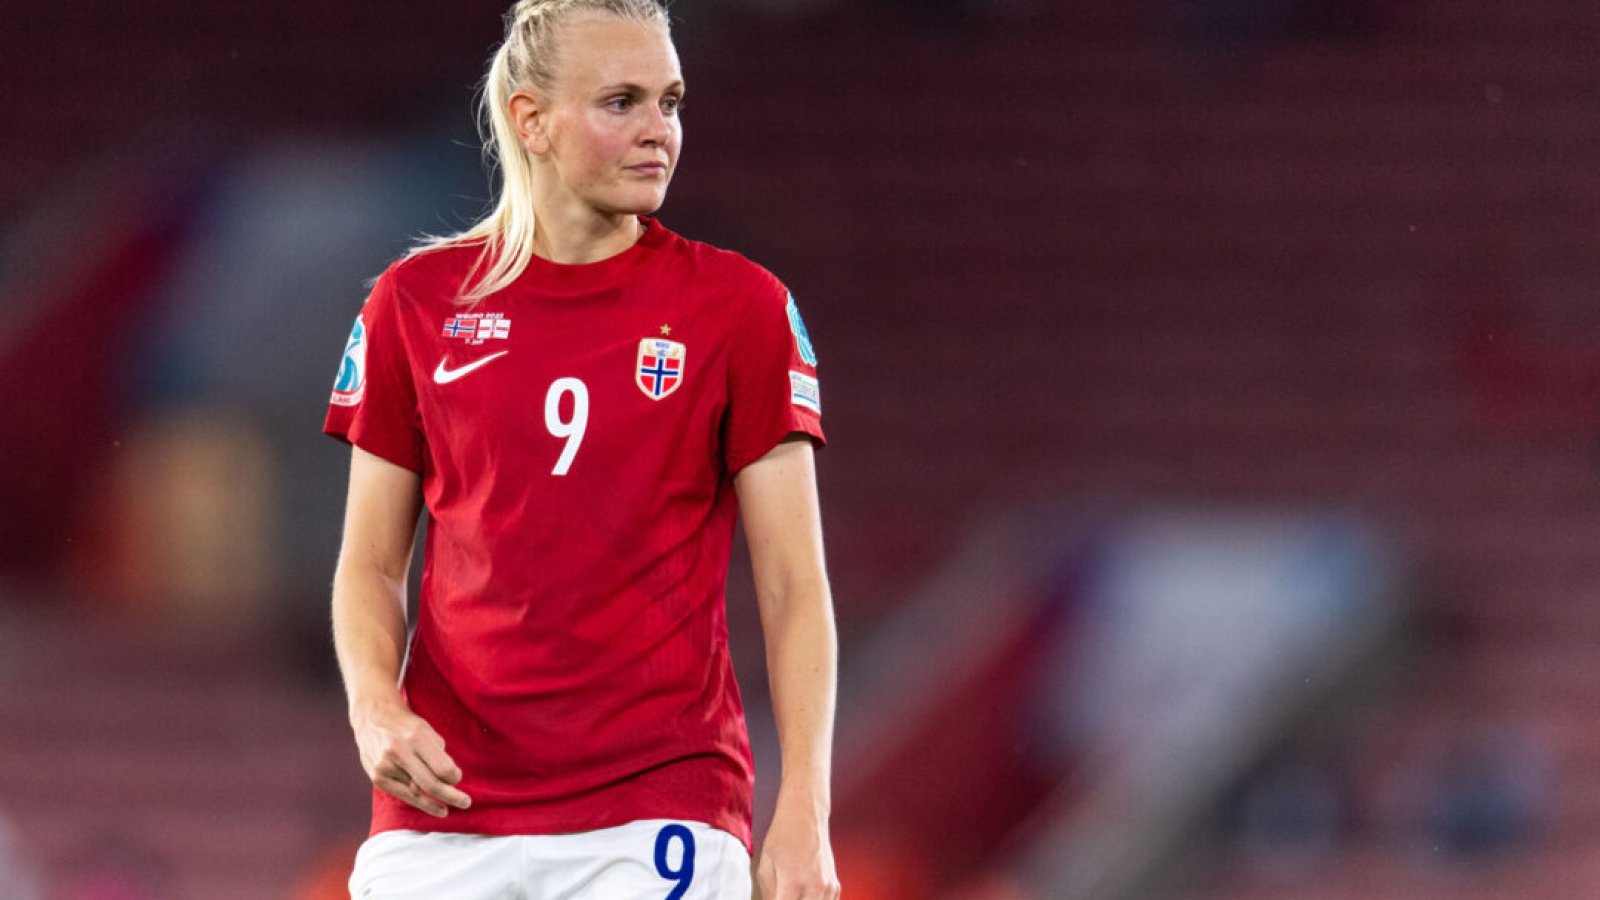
column 683, row 874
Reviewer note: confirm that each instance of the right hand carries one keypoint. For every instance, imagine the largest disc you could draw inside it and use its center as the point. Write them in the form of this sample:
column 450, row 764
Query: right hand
column 405, row 757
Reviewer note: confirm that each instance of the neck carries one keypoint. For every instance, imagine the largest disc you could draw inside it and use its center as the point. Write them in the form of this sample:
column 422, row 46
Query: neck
column 584, row 240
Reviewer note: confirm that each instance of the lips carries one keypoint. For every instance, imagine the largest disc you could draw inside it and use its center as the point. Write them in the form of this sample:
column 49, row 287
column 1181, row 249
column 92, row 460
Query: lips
column 650, row 168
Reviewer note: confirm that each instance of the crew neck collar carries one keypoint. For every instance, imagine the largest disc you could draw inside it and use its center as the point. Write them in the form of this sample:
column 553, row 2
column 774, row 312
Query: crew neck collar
column 544, row 276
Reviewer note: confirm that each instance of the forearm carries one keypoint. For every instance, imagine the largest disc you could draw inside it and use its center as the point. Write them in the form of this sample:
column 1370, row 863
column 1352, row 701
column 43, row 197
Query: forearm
column 802, row 666
column 369, row 633
column 402, row 754
column 778, row 503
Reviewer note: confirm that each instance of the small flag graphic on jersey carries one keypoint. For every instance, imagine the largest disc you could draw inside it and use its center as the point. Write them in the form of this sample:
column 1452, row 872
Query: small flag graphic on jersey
column 659, row 370
column 475, row 328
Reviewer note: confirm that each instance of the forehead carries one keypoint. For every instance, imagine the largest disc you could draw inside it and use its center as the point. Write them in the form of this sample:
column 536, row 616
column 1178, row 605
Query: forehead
column 598, row 50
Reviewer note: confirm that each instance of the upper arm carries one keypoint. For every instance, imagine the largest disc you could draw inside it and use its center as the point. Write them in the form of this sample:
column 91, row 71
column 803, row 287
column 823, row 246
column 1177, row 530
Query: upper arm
column 381, row 512
column 782, row 523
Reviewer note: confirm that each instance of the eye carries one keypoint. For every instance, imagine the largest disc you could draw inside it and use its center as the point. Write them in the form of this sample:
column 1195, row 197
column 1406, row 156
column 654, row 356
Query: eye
column 671, row 105
column 619, row 104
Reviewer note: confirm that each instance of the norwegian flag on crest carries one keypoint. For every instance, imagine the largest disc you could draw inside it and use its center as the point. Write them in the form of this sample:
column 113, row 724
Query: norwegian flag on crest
column 659, row 370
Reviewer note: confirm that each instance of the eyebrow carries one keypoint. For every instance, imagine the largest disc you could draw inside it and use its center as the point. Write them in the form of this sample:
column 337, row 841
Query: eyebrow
column 632, row 88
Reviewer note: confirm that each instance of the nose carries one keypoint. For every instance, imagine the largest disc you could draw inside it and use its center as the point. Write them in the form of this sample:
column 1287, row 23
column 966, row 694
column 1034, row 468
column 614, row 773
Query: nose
column 656, row 130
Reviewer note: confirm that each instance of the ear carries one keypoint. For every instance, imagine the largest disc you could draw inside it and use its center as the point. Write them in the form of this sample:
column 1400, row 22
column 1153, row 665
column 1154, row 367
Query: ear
column 531, row 119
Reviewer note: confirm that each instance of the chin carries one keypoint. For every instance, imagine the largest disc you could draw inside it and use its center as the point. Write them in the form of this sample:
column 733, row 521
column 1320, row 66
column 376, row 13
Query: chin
column 640, row 203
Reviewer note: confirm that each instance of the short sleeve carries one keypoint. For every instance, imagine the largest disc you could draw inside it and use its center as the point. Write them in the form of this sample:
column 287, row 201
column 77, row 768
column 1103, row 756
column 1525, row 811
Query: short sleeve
column 772, row 373
column 374, row 402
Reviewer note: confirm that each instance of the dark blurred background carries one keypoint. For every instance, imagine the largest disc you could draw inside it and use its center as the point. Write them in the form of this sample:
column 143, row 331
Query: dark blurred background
column 1213, row 387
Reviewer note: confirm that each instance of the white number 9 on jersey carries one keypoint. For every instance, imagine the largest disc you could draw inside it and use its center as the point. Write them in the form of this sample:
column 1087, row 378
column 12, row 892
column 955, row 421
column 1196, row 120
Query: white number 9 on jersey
column 570, row 430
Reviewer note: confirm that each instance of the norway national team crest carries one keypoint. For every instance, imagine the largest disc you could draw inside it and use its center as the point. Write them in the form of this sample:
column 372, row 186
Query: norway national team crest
column 659, row 370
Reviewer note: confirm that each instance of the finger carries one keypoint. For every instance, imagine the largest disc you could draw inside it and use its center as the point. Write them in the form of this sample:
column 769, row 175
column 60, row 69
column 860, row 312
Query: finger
column 422, row 775
column 439, row 763
column 758, row 889
column 390, row 772
column 765, row 880
column 821, row 889
column 446, row 772
column 790, row 887
column 774, row 887
column 408, row 793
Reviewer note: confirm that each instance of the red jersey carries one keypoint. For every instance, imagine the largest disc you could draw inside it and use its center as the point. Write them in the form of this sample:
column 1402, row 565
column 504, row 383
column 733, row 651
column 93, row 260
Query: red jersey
column 577, row 435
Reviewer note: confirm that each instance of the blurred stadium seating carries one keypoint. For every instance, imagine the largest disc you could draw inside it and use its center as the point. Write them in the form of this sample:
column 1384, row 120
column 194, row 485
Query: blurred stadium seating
column 1103, row 254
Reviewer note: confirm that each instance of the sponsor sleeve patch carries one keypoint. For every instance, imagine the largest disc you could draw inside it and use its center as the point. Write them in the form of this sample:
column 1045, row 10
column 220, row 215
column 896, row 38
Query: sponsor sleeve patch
column 804, row 392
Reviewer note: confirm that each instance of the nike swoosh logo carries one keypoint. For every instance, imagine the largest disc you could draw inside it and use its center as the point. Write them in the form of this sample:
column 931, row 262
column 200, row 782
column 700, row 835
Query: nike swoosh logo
column 443, row 375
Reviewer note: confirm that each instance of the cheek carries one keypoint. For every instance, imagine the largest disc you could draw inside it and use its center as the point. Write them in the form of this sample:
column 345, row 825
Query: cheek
column 604, row 143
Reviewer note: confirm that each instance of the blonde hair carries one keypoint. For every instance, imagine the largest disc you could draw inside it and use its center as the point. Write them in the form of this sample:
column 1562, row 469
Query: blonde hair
column 525, row 60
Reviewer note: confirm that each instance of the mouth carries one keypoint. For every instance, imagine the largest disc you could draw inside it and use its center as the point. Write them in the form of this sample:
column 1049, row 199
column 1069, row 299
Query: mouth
column 650, row 169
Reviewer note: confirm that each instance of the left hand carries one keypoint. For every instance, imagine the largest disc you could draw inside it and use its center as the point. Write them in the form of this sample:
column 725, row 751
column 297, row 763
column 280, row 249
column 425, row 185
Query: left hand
column 796, row 861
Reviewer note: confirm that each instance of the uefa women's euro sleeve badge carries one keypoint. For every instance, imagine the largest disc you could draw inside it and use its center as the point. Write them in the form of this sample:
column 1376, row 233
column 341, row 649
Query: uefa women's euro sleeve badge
column 802, row 338
column 804, row 390
column 659, row 369
column 352, row 380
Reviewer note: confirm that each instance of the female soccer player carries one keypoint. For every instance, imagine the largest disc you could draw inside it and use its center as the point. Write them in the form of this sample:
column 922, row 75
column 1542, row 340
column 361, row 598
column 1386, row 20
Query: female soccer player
column 584, row 402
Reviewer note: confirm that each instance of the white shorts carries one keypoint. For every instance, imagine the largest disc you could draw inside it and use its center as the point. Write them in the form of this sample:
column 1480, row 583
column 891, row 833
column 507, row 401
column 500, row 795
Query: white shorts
column 651, row 859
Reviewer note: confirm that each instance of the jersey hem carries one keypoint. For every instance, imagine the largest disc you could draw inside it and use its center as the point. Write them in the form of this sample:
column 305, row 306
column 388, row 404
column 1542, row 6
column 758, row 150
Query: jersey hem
column 386, row 819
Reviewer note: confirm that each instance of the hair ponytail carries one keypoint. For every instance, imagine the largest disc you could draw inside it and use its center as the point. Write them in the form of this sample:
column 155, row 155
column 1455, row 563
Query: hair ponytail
column 523, row 61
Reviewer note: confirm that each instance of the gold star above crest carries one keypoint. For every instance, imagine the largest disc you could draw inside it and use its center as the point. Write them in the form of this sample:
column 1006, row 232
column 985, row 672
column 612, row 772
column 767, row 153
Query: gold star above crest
column 666, row 330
